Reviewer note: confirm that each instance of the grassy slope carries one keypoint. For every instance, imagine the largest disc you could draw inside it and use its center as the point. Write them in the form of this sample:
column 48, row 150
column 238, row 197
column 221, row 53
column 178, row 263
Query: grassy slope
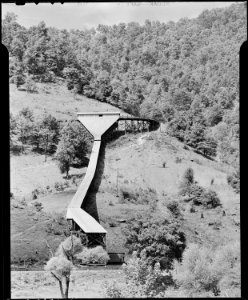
column 56, row 100
column 138, row 161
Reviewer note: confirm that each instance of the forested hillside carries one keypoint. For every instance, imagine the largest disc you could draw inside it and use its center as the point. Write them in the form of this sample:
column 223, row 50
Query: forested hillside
column 184, row 73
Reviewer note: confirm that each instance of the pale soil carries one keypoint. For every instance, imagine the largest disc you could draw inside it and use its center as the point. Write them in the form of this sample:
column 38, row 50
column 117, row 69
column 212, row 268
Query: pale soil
column 41, row 284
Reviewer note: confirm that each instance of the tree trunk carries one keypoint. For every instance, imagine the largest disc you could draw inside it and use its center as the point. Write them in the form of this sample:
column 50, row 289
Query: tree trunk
column 67, row 287
column 61, row 289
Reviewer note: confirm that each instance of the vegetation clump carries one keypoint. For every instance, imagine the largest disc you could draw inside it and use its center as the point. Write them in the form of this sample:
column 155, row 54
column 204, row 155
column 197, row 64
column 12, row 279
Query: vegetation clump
column 140, row 279
column 174, row 208
column 96, row 255
column 130, row 194
column 234, row 181
column 162, row 239
column 73, row 146
column 185, row 80
column 198, row 195
column 204, row 270
column 60, row 265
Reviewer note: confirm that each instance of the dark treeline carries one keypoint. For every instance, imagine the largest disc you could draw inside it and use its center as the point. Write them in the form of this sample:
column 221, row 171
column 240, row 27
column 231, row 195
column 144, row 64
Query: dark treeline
column 184, row 73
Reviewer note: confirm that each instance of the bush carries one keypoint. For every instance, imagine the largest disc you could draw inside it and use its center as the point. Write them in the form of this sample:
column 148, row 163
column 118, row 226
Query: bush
column 162, row 239
column 95, row 255
column 178, row 160
column 129, row 194
column 234, row 181
column 30, row 86
column 187, row 181
column 59, row 186
column 207, row 270
column 38, row 206
column 140, row 279
column 210, row 199
column 199, row 195
column 173, row 207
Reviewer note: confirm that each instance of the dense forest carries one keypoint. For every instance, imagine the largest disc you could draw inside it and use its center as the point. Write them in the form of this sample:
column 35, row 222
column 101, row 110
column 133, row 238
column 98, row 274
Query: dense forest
column 184, row 73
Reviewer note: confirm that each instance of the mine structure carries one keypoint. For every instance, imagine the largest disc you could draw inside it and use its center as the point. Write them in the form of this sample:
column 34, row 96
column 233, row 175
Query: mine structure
column 102, row 126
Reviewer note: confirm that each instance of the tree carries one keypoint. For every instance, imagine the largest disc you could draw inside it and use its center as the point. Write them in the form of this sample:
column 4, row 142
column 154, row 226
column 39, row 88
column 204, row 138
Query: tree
column 187, row 181
column 50, row 131
column 61, row 264
column 64, row 156
column 24, row 126
column 12, row 128
column 18, row 77
column 73, row 146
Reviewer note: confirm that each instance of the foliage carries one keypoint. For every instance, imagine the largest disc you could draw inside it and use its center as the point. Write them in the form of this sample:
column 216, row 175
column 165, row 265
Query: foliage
column 95, row 255
column 61, row 264
column 234, row 181
column 141, row 279
column 130, row 194
column 185, row 80
column 30, row 85
column 207, row 270
column 187, row 181
column 162, row 239
column 201, row 196
column 174, row 208
column 70, row 247
column 73, row 147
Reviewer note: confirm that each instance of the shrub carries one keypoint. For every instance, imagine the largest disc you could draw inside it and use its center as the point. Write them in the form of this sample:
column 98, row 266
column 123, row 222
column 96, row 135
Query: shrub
column 38, row 206
column 95, row 255
column 30, row 86
column 200, row 196
column 140, row 279
column 129, row 194
column 58, row 186
column 162, row 239
column 112, row 290
column 187, row 180
column 178, row 160
column 173, row 207
column 234, row 181
column 189, row 175
column 207, row 270
column 210, row 199
column 35, row 194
